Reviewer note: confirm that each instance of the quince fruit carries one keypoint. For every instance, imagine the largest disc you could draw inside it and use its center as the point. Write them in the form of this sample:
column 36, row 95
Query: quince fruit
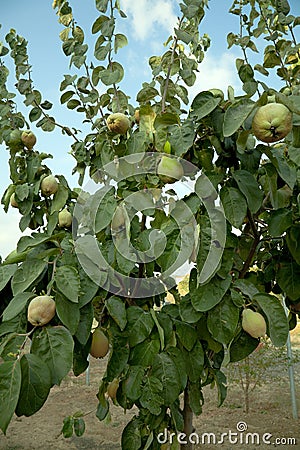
column 253, row 323
column 49, row 185
column 64, row 218
column 118, row 123
column 100, row 344
column 28, row 139
column 41, row 310
column 272, row 122
column 112, row 389
column 169, row 169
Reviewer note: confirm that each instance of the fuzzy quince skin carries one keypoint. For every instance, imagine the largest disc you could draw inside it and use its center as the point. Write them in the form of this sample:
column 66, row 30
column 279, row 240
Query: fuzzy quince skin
column 28, row 139
column 41, row 310
column 272, row 122
column 64, row 218
column 49, row 185
column 253, row 323
column 100, row 344
column 169, row 169
column 118, row 123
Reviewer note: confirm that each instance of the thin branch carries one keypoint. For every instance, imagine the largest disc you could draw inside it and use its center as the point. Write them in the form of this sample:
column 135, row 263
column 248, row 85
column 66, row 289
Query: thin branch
column 164, row 96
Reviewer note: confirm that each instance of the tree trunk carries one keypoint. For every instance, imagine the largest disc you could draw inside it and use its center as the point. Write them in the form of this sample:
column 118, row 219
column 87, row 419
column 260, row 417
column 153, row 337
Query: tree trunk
column 188, row 421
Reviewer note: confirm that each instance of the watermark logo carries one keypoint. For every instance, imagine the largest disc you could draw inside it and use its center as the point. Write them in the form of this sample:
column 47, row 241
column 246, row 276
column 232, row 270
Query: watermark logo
column 98, row 210
column 240, row 435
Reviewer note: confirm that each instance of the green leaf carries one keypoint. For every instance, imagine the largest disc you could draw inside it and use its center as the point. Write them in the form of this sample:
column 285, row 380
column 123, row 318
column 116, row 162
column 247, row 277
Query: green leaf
column 101, row 5
column 120, row 41
column 221, row 383
column 246, row 287
column 68, row 282
column 105, row 204
column 186, row 334
column 144, row 353
column 165, row 369
column 10, row 376
column 146, row 94
column 133, row 382
column 203, row 104
column 151, row 397
column 194, row 362
column 209, row 295
column 222, row 320
column 67, row 429
column 293, row 242
column 85, row 323
column 118, row 359
column 196, row 398
column 131, row 436
column 35, row 386
column 117, row 310
column 27, row 274
column 88, row 288
column 288, row 278
column 284, row 169
column 277, row 319
column 181, row 137
column 112, row 75
column 16, row 305
column 68, row 312
column 242, row 346
column 187, row 312
column 236, row 115
column 79, row 426
column 66, row 96
column 54, row 345
column 60, row 198
column 250, row 188
column 6, row 272
column 280, row 220
column 234, row 204
column 140, row 324
column 160, row 329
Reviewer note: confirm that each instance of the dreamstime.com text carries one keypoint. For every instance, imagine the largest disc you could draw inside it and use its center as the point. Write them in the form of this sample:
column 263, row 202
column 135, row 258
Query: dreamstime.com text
column 240, row 436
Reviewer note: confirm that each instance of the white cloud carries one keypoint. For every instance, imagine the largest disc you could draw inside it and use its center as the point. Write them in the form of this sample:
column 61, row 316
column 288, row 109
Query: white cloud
column 150, row 16
column 217, row 73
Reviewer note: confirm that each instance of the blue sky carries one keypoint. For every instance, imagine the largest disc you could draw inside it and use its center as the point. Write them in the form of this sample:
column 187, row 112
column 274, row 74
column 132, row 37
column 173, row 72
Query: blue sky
column 149, row 24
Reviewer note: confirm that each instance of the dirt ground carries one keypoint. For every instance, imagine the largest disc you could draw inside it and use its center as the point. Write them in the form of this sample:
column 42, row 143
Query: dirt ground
column 271, row 412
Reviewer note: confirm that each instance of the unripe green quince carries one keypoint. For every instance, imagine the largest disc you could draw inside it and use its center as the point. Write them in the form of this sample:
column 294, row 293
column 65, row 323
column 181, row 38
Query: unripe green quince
column 13, row 201
column 272, row 122
column 253, row 323
column 14, row 141
column 28, row 139
column 118, row 123
column 169, row 170
column 49, row 185
column 41, row 310
column 118, row 222
column 100, row 344
column 112, row 388
column 64, row 218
